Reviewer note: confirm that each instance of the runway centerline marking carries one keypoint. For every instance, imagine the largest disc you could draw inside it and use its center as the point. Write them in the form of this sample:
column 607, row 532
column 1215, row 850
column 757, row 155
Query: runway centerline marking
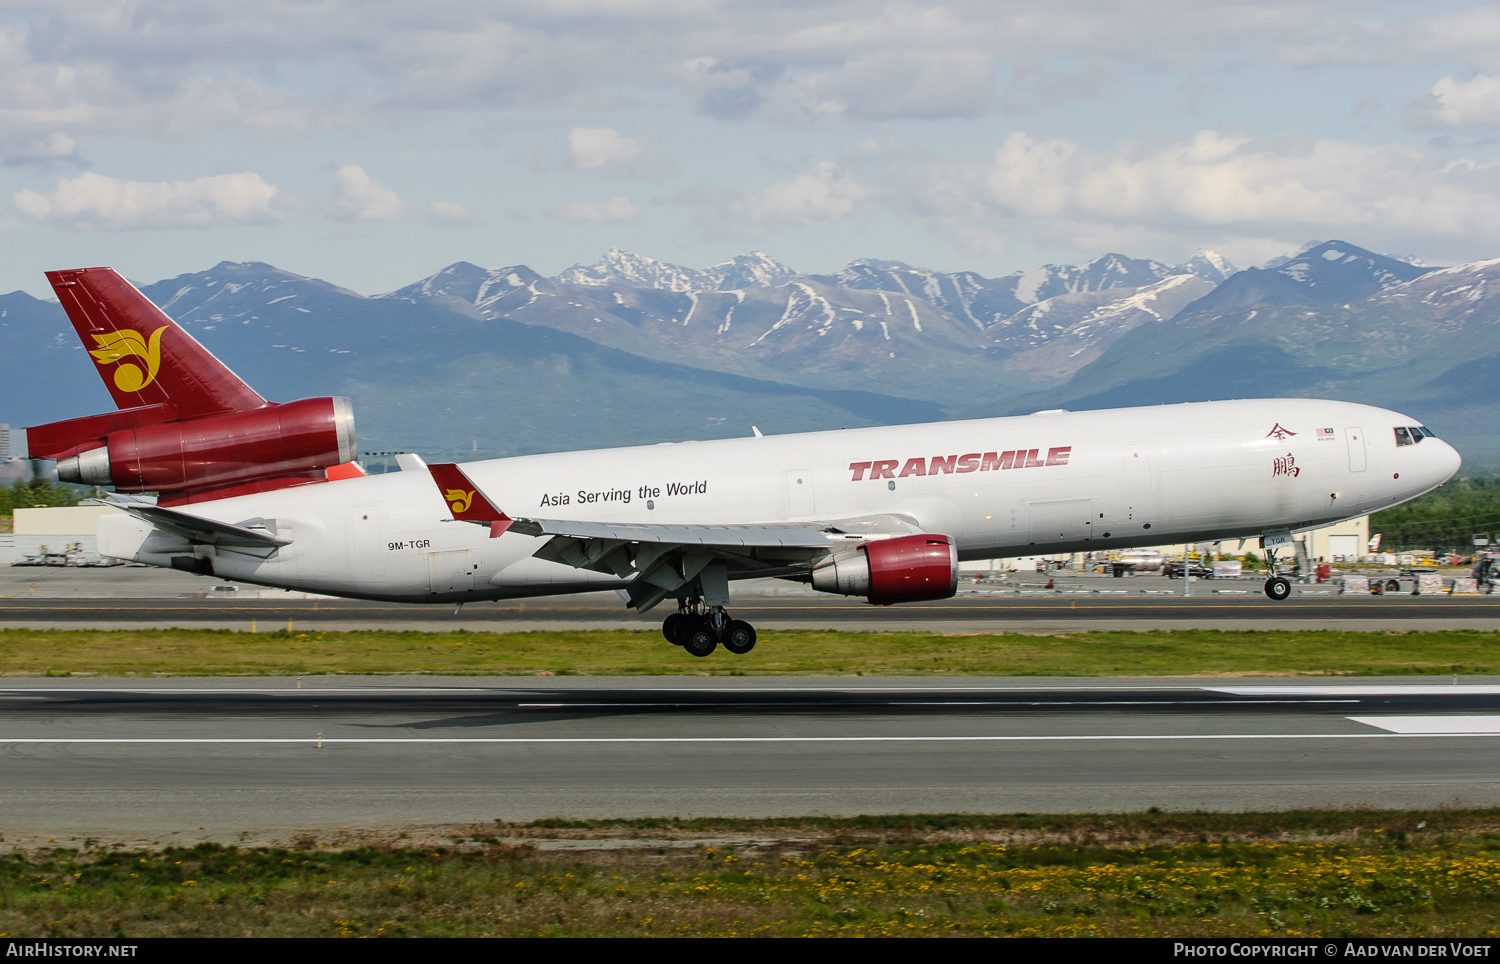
column 701, row 740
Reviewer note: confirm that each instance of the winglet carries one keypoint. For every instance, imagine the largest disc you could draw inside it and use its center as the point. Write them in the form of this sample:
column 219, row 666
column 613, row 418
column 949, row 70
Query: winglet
column 465, row 501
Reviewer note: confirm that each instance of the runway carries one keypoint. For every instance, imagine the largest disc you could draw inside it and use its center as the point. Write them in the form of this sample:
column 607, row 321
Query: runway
column 142, row 759
column 133, row 598
column 969, row 612
column 966, row 613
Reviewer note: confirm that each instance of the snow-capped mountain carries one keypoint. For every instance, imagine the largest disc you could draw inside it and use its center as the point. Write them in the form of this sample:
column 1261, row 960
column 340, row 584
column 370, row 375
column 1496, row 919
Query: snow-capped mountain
column 678, row 350
column 753, row 315
column 1056, row 337
column 1209, row 265
column 625, row 269
column 1327, row 273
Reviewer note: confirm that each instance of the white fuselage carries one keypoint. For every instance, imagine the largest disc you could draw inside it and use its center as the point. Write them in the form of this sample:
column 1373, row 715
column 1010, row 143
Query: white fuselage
column 1118, row 478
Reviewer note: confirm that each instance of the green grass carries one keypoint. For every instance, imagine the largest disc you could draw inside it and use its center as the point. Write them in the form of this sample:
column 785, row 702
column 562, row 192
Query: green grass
column 183, row 652
column 1337, row 874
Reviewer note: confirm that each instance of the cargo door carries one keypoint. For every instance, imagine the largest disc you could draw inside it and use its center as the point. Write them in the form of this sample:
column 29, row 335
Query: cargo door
column 450, row 571
column 1356, row 437
column 1061, row 522
column 800, row 501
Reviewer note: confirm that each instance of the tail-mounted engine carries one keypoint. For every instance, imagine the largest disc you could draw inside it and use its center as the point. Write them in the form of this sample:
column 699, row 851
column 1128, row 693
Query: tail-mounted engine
column 186, row 426
column 221, row 450
column 905, row 569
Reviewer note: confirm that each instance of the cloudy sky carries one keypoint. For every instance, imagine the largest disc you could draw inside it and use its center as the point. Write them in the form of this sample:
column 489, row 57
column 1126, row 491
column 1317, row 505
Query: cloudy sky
column 372, row 143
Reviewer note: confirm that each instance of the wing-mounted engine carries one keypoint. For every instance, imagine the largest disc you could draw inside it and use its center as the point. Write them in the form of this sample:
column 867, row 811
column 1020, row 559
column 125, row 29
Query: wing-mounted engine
column 885, row 571
column 188, row 428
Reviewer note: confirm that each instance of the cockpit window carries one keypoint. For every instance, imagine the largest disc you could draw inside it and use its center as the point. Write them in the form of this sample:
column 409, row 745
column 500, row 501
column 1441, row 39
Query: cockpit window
column 1416, row 433
column 1425, row 431
column 1403, row 435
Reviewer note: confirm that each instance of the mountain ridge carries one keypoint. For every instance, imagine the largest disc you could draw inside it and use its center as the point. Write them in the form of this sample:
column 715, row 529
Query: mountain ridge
column 512, row 360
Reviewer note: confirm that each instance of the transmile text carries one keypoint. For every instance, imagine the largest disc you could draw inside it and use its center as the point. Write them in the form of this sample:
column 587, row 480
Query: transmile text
column 950, row 464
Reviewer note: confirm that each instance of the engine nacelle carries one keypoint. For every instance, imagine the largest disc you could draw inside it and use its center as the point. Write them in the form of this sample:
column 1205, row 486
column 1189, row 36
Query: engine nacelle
column 220, row 450
column 905, row 569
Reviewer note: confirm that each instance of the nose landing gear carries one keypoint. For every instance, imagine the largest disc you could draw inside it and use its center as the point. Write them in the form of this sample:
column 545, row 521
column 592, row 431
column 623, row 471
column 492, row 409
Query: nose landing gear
column 1277, row 587
column 701, row 631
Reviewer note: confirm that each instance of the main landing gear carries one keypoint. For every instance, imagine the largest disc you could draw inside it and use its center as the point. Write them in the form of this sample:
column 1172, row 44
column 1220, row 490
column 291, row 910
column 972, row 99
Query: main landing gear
column 700, row 631
column 1277, row 587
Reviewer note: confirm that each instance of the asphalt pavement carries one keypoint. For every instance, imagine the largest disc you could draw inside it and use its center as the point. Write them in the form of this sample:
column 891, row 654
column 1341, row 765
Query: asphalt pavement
column 152, row 759
column 140, row 598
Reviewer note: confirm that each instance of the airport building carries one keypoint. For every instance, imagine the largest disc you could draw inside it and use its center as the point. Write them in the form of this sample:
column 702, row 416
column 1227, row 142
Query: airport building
column 1346, row 541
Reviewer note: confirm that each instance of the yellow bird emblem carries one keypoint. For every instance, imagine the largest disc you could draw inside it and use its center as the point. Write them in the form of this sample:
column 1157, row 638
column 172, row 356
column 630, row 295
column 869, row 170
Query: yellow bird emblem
column 119, row 345
column 459, row 500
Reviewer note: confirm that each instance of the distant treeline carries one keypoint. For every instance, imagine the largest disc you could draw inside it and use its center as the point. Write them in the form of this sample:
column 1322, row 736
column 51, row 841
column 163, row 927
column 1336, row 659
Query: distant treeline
column 1446, row 518
column 37, row 492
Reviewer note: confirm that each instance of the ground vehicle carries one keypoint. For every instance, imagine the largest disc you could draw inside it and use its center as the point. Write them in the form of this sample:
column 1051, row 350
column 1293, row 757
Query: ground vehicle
column 1172, row 569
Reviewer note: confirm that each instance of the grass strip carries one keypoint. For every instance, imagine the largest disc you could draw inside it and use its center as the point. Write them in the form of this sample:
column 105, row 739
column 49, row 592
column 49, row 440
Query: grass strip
column 1317, row 873
column 1188, row 652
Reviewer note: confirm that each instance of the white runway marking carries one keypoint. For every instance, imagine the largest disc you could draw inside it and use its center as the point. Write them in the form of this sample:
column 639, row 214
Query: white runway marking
column 1377, row 689
column 581, row 705
column 622, row 740
column 1433, row 725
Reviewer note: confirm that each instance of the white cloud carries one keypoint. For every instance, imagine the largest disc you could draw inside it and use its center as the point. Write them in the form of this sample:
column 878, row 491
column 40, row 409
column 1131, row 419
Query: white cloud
column 359, row 197
column 43, row 151
column 613, row 210
column 604, row 150
column 1210, row 188
column 159, row 69
column 890, row 85
column 595, row 147
column 821, row 195
column 95, row 201
column 1458, row 105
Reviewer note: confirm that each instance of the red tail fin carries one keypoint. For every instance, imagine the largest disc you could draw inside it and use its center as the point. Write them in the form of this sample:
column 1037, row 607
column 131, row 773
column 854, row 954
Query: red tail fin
column 464, row 499
column 142, row 355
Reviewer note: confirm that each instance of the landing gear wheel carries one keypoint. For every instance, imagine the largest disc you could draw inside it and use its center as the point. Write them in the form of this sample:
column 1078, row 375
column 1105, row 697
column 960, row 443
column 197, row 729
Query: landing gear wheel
column 671, row 627
column 739, row 637
column 1278, row 588
column 699, row 639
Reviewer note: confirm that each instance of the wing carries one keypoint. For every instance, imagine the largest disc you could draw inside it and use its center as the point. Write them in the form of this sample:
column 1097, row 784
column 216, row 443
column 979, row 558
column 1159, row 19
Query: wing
column 663, row 560
column 667, row 560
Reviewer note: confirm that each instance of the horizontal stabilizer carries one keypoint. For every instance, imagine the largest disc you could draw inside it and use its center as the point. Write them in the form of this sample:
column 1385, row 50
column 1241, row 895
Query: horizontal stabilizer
column 251, row 533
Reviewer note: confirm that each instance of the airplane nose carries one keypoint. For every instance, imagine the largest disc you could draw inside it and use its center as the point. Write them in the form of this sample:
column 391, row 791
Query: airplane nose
column 1447, row 461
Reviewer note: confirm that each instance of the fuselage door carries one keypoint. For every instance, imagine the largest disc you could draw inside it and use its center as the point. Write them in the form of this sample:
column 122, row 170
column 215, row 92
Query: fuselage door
column 450, row 571
column 365, row 551
column 1356, row 437
column 800, row 501
column 1138, row 487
